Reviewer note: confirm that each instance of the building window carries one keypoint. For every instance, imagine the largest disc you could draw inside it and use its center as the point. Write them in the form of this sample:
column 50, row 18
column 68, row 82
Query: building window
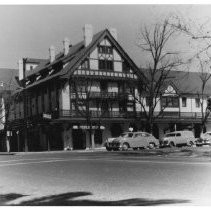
column 105, row 50
column 31, row 67
column 184, row 101
column 170, row 102
column 106, row 64
column 209, row 104
column 197, row 101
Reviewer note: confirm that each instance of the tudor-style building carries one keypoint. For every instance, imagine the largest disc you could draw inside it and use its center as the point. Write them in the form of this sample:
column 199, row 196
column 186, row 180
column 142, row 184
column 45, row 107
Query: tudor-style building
column 181, row 102
column 77, row 98
column 85, row 94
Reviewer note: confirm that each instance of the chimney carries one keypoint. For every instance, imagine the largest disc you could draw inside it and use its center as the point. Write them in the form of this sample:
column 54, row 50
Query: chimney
column 113, row 32
column 88, row 33
column 66, row 44
column 52, row 54
column 20, row 68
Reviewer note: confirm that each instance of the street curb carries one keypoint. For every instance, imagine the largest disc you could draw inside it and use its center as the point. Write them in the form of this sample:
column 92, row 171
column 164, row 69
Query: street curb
column 102, row 149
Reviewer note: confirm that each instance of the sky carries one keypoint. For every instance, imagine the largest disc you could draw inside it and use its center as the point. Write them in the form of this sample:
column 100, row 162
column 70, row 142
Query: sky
column 29, row 31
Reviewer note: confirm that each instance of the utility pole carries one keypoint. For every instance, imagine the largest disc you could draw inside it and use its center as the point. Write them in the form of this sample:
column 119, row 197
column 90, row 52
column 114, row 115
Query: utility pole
column 25, row 107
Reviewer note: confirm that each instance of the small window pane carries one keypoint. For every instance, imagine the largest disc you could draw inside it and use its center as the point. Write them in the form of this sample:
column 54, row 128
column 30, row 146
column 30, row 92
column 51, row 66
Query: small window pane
column 184, row 102
column 197, row 100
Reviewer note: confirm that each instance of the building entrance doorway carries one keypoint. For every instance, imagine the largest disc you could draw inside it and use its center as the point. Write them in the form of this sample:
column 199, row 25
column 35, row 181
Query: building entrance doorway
column 116, row 129
column 79, row 139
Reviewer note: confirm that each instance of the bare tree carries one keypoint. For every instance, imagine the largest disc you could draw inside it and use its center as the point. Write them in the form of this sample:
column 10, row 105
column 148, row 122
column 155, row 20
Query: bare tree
column 83, row 97
column 204, row 75
column 162, row 61
column 6, row 109
column 199, row 36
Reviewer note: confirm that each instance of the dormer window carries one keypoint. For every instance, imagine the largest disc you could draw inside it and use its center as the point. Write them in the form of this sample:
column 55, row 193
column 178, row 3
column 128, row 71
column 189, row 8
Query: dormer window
column 51, row 71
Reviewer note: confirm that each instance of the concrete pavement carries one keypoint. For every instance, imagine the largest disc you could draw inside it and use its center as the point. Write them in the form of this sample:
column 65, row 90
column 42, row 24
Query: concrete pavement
column 104, row 178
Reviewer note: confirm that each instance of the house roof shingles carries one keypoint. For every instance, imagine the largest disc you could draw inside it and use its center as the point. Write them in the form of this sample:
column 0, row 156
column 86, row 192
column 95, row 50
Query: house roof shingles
column 185, row 82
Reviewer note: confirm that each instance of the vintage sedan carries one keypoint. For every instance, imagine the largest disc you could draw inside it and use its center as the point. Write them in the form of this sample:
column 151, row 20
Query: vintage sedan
column 134, row 140
column 205, row 139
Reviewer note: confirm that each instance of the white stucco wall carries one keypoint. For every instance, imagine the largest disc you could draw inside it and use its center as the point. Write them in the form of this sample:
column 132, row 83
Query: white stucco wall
column 118, row 66
column 65, row 97
column 93, row 62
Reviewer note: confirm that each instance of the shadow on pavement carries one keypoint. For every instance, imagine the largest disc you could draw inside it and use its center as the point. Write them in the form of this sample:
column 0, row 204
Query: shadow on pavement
column 9, row 197
column 69, row 199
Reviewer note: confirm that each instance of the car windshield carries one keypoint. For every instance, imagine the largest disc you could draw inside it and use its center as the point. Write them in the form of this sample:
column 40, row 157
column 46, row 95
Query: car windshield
column 124, row 135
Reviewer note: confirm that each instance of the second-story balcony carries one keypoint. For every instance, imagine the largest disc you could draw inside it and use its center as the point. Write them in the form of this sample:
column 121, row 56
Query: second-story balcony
column 100, row 95
column 93, row 114
column 105, row 74
column 182, row 116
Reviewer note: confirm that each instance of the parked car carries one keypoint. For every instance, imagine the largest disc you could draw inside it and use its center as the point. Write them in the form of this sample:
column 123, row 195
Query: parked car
column 205, row 139
column 178, row 138
column 133, row 140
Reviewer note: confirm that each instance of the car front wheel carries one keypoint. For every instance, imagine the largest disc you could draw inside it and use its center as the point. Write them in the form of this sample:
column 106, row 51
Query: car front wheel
column 172, row 145
column 125, row 147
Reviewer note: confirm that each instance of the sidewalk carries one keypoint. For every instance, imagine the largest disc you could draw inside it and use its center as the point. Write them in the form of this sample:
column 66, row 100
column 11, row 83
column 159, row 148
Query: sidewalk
column 99, row 149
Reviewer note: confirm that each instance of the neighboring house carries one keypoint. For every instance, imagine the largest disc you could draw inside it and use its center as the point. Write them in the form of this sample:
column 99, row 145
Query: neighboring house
column 85, row 88
column 7, row 85
column 181, row 97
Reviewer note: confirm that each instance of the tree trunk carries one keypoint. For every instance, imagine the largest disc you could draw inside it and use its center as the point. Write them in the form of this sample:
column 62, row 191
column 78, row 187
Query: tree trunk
column 87, row 140
column 7, row 144
column 93, row 138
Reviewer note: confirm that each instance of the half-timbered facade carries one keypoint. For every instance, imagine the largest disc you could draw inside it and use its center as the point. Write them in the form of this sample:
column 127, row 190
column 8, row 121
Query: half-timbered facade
column 77, row 98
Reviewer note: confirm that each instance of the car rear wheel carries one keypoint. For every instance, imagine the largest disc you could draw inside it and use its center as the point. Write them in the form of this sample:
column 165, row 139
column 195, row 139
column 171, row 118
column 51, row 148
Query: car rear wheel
column 151, row 145
column 108, row 149
column 125, row 146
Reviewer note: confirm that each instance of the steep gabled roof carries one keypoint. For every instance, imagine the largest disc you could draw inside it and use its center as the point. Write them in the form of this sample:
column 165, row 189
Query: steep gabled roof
column 84, row 53
column 185, row 82
column 76, row 54
column 190, row 82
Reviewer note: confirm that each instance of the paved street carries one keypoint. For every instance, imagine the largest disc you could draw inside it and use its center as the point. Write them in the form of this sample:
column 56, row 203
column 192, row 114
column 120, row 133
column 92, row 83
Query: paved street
column 104, row 178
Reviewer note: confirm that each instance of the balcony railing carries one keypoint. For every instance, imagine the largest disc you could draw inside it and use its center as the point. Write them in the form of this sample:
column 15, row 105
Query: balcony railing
column 100, row 73
column 179, row 115
column 101, row 95
column 94, row 114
